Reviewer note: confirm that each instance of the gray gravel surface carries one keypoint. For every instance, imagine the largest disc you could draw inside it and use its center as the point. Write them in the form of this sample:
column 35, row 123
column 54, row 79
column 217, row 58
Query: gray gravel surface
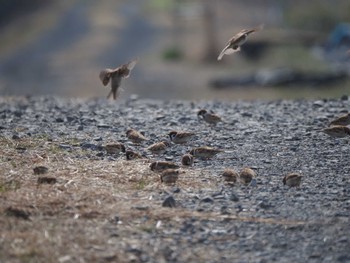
column 306, row 224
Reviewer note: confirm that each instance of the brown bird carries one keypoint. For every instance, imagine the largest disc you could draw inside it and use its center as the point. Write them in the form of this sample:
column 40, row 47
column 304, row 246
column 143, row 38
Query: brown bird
column 135, row 136
column 131, row 155
column 337, row 131
column 163, row 165
column 246, row 175
column 292, row 179
column 209, row 117
column 230, row 175
column 187, row 159
column 114, row 148
column 205, row 152
column 170, row 176
column 342, row 120
column 116, row 75
column 180, row 137
column 159, row 147
column 235, row 43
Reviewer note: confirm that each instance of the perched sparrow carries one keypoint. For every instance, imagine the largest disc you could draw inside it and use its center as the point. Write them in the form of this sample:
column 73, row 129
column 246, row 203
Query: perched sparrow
column 180, row 137
column 163, row 165
column 342, row 120
column 246, row 175
column 187, row 159
column 135, row 136
column 170, row 176
column 116, row 75
column 209, row 117
column 114, row 148
column 204, row 152
column 230, row 175
column 159, row 147
column 292, row 180
column 337, row 131
column 131, row 155
column 235, row 43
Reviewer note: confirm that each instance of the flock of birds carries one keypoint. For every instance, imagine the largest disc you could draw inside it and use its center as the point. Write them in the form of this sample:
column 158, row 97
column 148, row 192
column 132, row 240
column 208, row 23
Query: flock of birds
column 169, row 171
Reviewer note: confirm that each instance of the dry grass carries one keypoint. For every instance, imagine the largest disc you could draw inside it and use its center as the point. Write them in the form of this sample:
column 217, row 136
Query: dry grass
column 93, row 212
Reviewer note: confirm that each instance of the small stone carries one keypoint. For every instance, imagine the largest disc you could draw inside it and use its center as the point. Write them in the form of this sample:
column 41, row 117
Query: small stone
column 344, row 97
column 80, row 128
column 207, row 199
column 17, row 212
column 234, row 197
column 64, row 146
column 40, row 170
column 59, row 119
column 169, row 202
column 99, row 154
column 15, row 137
column 103, row 126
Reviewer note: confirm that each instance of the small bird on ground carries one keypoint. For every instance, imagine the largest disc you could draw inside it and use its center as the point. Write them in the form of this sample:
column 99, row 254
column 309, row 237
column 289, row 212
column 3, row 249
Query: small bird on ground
column 205, row 152
column 131, row 155
column 135, row 136
column 209, row 117
column 163, row 165
column 180, row 137
column 337, row 131
column 159, row 147
column 116, row 75
column 230, row 176
column 170, row 176
column 114, row 148
column 187, row 159
column 292, row 179
column 246, row 175
column 342, row 120
column 235, row 43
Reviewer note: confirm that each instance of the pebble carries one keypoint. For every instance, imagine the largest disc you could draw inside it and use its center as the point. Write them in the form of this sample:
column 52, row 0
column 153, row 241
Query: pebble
column 169, row 202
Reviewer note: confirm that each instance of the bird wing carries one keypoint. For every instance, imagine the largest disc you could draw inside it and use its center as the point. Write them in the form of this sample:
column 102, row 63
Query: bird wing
column 105, row 76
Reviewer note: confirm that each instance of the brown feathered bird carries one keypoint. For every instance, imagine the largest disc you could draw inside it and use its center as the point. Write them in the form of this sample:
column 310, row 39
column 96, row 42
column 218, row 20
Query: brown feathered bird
column 337, row 131
column 235, row 43
column 135, row 136
column 115, row 76
column 292, row 179
column 342, row 120
column 209, row 117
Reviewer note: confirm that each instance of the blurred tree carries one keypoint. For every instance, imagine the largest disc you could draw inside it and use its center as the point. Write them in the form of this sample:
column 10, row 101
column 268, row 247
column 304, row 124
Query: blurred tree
column 209, row 22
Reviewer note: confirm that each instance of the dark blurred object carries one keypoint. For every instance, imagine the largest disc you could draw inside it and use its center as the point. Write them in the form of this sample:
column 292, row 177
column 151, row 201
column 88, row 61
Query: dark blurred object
column 280, row 77
column 10, row 9
column 254, row 49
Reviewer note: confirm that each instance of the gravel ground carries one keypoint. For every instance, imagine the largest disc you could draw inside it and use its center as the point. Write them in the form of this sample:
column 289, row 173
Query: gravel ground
column 212, row 221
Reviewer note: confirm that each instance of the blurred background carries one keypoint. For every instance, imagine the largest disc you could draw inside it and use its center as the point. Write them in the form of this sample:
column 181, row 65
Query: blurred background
column 58, row 47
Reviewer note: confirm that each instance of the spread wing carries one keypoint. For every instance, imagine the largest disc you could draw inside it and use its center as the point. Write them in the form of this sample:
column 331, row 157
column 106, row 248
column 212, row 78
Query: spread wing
column 105, row 76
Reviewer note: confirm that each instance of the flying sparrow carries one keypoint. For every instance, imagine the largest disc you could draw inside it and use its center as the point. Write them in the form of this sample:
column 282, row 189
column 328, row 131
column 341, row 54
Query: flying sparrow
column 135, row 136
column 209, row 117
column 337, row 131
column 187, row 159
column 246, row 175
column 342, row 120
column 114, row 148
column 163, row 165
column 235, row 43
column 131, row 155
column 230, row 175
column 205, row 152
column 170, row 176
column 292, row 179
column 116, row 75
column 180, row 137
column 159, row 147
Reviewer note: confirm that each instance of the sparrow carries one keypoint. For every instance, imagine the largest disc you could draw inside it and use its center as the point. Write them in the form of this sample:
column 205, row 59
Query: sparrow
column 342, row 120
column 180, row 137
column 114, row 148
column 246, row 175
column 159, row 147
column 170, row 176
column 292, row 179
column 163, row 165
column 230, row 175
column 116, row 75
column 205, row 152
column 187, row 159
column 131, row 155
column 337, row 131
column 135, row 136
column 209, row 117
column 235, row 43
